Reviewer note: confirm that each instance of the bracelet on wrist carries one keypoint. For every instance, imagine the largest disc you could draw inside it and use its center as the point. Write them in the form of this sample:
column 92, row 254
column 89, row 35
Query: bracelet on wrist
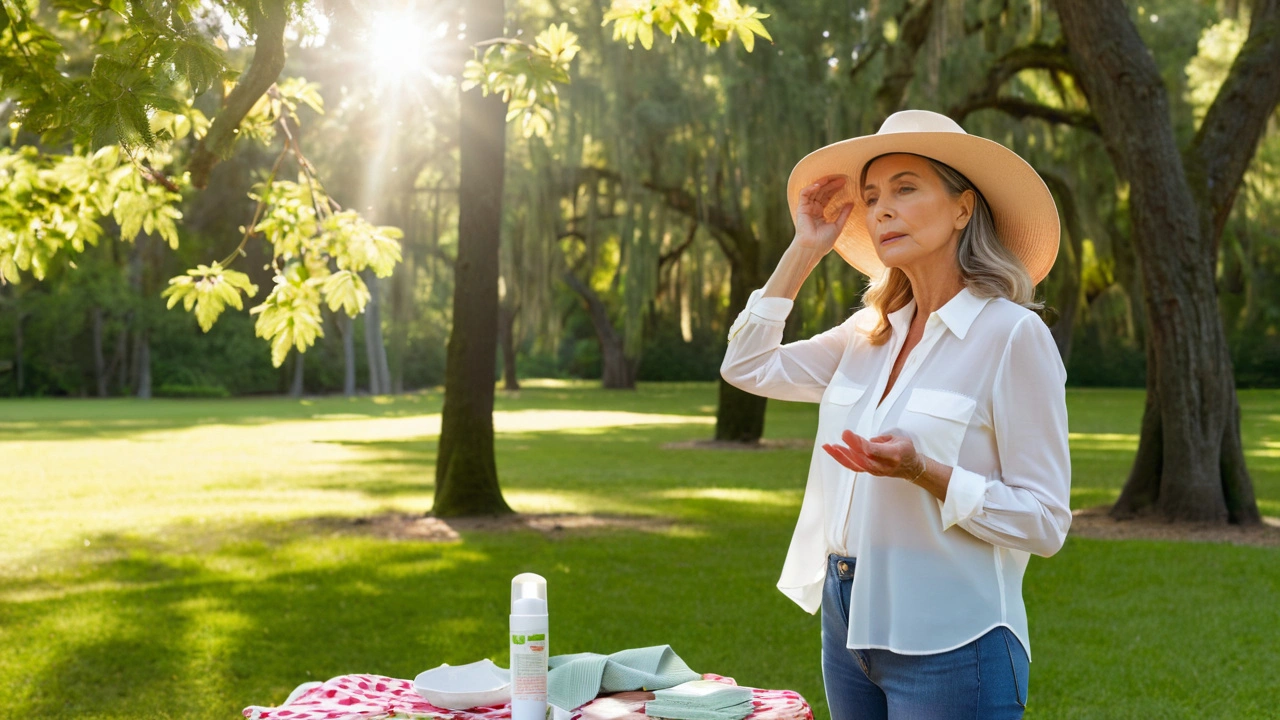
column 924, row 467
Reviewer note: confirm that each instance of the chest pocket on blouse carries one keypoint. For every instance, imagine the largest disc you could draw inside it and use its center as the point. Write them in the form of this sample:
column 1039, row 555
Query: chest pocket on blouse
column 936, row 421
column 837, row 402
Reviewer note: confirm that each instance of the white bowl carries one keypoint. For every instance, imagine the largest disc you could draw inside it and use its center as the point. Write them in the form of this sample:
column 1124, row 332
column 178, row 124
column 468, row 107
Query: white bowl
column 477, row 684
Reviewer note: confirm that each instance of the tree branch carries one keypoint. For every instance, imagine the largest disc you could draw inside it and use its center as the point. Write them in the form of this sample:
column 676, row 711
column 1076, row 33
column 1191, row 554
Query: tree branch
column 724, row 227
column 979, row 25
column 1238, row 117
column 1020, row 109
column 900, row 58
column 596, row 309
column 726, row 230
column 263, row 70
column 676, row 252
column 1042, row 56
column 864, row 59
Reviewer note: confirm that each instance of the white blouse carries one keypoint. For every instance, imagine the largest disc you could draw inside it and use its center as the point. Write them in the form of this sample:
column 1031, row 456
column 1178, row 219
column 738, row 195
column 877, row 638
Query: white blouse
column 983, row 392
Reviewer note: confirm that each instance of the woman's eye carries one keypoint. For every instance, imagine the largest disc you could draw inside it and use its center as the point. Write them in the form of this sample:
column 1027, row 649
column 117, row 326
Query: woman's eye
column 906, row 189
column 870, row 201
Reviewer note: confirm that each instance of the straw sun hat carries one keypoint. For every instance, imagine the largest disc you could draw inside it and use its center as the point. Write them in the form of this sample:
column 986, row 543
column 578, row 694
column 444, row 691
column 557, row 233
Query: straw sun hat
column 1023, row 209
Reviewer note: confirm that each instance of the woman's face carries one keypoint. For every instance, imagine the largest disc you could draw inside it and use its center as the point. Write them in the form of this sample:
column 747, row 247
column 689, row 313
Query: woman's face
column 911, row 217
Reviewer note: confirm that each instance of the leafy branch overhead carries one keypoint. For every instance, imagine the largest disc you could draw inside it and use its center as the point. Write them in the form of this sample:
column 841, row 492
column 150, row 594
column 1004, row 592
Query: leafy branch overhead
column 53, row 203
column 318, row 255
column 713, row 23
column 162, row 58
column 526, row 75
column 210, row 288
column 140, row 141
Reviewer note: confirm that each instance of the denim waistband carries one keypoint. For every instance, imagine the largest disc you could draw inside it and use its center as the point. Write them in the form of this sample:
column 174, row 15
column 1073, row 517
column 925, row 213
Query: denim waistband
column 841, row 566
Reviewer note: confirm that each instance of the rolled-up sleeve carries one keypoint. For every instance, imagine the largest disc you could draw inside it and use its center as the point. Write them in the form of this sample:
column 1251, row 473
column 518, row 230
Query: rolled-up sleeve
column 1028, row 506
column 756, row 360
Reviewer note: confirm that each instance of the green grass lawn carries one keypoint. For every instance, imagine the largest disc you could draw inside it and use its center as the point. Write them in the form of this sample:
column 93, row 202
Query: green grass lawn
column 162, row 559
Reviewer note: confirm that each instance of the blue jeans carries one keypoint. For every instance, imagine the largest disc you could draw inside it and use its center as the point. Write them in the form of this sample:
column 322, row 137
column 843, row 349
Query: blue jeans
column 984, row 680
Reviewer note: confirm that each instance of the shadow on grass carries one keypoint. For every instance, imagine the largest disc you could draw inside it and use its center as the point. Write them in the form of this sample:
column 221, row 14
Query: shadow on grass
column 67, row 418
column 200, row 625
column 199, row 621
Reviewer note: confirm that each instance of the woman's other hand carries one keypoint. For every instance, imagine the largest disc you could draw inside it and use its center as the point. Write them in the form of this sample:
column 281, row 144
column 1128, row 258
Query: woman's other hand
column 883, row 455
column 892, row 456
column 813, row 231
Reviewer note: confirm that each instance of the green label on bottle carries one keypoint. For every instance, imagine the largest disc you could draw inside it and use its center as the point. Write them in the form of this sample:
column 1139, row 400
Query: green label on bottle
column 533, row 638
column 517, row 639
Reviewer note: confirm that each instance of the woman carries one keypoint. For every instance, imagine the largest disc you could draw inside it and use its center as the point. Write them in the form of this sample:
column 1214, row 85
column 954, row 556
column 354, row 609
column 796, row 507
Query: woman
column 941, row 459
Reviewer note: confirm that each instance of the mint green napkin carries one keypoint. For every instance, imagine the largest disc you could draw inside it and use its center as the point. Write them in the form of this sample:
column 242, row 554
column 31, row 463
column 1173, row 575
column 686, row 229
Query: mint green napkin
column 701, row 700
column 706, row 694
column 669, row 711
column 574, row 680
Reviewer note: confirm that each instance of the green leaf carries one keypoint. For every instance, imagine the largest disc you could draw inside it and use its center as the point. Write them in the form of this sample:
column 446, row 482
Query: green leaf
column 757, row 27
column 557, row 43
column 344, row 289
column 210, row 289
column 129, row 212
column 289, row 318
column 688, row 18
column 198, row 62
column 645, row 31
column 357, row 245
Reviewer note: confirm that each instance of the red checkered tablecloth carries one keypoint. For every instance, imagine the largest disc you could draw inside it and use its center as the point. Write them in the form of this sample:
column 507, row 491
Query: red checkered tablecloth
column 374, row 697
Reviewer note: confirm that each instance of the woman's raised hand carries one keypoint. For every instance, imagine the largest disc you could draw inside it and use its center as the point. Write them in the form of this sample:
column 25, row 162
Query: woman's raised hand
column 813, row 231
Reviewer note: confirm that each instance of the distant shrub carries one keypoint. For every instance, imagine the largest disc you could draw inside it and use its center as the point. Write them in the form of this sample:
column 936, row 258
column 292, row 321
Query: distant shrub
column 536, row 366
column 667, row 357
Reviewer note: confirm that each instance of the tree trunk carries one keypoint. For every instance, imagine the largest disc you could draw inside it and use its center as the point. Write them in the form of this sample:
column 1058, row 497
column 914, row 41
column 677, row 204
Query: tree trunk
column 739, row 414
column 1190, row 462
column 19, row 366
column 466, row 474
column 119, row 366
column 1069, row 297
column 295, row 387
column 374, row 346
column 506, row 326
column 143, row 354
column 618, row 371
column 1129, row 277
column 99, row 362
column 140, row 358
column 346, row 328
column 401, row 306
column 900, row 58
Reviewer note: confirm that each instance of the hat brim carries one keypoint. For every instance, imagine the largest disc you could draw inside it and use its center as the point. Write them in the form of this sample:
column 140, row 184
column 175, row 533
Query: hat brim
column 1025, row 215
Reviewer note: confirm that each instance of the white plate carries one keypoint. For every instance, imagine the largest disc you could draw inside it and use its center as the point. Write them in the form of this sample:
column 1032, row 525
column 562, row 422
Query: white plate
column 477, row 684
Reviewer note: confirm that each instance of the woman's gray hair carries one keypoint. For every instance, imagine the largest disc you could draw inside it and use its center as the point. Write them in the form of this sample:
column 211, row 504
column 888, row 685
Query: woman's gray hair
column 987, row 267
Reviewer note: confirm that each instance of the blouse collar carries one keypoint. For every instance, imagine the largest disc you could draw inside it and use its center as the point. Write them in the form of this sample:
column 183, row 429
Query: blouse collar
column 958, row 314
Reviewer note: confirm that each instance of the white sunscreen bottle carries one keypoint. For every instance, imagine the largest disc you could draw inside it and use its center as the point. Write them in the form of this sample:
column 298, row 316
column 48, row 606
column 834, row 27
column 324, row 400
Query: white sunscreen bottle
column 529, row 647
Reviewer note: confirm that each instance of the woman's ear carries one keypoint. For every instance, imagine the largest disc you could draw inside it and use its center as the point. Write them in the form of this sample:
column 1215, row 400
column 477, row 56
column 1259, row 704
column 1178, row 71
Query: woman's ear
column 964, row 209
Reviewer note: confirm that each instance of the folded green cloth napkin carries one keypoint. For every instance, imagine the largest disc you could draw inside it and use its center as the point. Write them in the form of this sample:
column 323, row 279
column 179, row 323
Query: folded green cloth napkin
column 707, row 694
column 701, row 700
column 574, row 680
column 684, row 712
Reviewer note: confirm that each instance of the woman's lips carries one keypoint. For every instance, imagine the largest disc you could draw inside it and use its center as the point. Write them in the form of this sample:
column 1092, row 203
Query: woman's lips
column 890, row 237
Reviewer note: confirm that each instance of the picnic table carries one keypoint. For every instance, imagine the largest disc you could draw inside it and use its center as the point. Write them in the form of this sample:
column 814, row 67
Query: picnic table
column 375, row 697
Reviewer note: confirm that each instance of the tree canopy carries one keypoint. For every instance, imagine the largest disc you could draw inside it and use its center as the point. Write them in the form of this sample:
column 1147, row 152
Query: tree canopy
column 155, row 156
